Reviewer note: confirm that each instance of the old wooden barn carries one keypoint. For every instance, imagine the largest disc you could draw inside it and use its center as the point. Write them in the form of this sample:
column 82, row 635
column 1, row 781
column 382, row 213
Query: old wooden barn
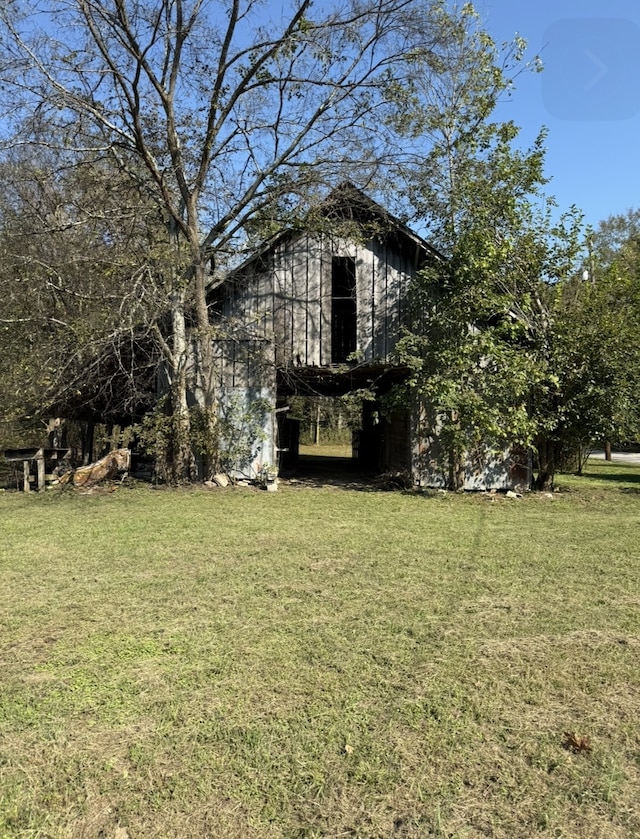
column 318, row 311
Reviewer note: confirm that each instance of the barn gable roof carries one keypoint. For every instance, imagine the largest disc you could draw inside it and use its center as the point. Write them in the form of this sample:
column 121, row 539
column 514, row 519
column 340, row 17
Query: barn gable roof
column 345, row 204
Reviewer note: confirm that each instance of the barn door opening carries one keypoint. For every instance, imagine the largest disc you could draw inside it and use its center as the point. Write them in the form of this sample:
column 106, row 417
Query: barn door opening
column 343, row 308
column 327, row 435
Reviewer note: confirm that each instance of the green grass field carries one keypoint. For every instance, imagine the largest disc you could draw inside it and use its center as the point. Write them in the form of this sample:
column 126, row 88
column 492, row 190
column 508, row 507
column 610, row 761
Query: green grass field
column 321, row 663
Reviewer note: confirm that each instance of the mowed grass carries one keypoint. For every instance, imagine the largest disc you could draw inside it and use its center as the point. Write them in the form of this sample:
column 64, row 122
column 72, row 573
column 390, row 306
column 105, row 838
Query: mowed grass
column 321, row 663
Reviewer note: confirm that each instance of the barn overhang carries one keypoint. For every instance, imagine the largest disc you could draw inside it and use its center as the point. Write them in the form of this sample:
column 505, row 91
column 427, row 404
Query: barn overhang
column 338, row 380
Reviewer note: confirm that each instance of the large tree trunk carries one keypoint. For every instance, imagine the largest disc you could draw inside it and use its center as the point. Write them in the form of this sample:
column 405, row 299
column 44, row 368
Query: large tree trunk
column 192, row 362
column 179, row 457
column 206, row 371
column 456, row 460
column 456, row 469
column 548, row 451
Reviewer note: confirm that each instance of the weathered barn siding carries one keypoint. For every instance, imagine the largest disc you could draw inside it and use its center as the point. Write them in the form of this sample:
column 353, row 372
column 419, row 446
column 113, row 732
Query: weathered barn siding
column 246, row 395
column 286, row 297
column 397, row 442
column 248, row 430
column 484, row 466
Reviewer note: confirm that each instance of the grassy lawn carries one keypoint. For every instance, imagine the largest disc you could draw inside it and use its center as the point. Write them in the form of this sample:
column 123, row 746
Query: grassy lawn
column 321, row 663
column 333, row 450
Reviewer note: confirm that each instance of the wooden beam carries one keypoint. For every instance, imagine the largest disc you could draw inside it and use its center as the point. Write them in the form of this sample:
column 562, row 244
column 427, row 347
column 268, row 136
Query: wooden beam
column 40, row 467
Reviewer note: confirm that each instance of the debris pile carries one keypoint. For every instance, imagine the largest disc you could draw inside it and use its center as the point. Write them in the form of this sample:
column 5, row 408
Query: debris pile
column 111, row 467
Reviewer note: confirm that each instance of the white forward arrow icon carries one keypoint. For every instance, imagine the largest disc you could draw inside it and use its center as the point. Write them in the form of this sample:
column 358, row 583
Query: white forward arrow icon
column 601, row 68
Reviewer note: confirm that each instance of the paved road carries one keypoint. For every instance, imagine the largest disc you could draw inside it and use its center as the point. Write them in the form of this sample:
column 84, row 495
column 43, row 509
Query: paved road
column 619, row 457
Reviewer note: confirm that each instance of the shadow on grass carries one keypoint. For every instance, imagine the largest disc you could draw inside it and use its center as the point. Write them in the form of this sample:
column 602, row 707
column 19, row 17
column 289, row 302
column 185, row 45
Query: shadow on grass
column 622, row 474
column 325, row 470
column 345, row 473
column 631, row 477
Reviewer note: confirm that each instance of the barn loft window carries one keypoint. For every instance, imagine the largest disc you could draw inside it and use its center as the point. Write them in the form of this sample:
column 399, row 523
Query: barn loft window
column 343, row 308
column 215, row 300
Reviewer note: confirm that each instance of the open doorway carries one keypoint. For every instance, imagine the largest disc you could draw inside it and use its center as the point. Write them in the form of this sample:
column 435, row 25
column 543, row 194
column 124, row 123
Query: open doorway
column 331, row 435
column 328, row 427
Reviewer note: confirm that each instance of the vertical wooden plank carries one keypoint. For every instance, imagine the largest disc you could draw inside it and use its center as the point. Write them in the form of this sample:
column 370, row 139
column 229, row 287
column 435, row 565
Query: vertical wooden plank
column 25, row 473
column 305, row 359
column 379, row 293
column 394, row 297
column 283, row 329
column 375, row 352
column 291, row 282
column 267, row 292
column 294, row 281
column 278, row 303
column 322, row 351
column 299, row 263
column 387, row 303
column 364, row 259
column 233, row 364
column 359, row 261
column 314, row 301
column 40, row 467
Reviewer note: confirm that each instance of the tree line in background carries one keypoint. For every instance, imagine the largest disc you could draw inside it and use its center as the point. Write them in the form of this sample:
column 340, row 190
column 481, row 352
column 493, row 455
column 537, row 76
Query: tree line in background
column 148, row 146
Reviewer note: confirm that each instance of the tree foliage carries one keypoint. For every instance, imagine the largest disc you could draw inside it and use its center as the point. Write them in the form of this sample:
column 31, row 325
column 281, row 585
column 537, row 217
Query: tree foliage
column 479, row 344
column 615, row 240
column 78, row 249
column 597, row 343
column 220, row 113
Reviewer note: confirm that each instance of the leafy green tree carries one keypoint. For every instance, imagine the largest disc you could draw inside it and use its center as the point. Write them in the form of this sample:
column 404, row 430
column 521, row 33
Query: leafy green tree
column 596, row 352
column 479, row 346
column 615, row 240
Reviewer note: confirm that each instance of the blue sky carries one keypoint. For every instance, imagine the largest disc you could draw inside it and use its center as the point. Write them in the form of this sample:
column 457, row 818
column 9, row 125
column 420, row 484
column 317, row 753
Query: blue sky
column 588, row 96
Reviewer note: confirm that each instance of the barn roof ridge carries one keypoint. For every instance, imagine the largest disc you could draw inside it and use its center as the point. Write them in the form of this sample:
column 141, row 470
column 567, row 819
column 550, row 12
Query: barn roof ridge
column 345, row 196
